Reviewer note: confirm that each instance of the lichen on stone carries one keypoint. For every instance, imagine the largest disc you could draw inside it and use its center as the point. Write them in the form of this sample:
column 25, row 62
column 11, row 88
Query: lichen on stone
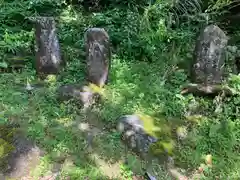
column 148, row 124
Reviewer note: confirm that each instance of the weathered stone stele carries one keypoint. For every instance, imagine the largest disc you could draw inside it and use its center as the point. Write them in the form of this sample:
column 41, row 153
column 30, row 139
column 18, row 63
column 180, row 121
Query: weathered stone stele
column 209, row 56
column 48, row 56
column 208, row 67
column 97, row 56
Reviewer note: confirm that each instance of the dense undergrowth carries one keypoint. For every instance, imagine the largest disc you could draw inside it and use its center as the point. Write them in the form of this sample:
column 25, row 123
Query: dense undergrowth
column 152, row 44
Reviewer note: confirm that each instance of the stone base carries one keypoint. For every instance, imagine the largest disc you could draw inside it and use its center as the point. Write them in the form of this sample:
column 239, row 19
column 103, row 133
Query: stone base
column 206, row 90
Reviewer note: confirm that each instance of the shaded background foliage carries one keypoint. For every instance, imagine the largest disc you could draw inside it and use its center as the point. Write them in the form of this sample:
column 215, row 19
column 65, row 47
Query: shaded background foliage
column 138, row 27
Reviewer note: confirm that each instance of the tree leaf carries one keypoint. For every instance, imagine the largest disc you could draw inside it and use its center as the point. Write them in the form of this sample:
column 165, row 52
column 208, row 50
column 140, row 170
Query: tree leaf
column 3, row 65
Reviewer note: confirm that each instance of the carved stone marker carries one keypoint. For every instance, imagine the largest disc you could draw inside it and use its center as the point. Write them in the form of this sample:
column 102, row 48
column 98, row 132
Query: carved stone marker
column 209, row 56
column 97, row 55
column 48, row 56
column 208, row 64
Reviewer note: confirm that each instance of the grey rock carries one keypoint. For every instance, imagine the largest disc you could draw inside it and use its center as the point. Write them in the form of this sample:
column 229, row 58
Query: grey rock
column 97, row 55
column 133, row 134
column 135, row 138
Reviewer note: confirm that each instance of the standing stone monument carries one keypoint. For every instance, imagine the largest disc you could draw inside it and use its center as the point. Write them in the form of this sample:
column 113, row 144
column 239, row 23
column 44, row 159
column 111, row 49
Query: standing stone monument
column 97, row 55
column 209, row 56
column 207, row 70
column 48, row 56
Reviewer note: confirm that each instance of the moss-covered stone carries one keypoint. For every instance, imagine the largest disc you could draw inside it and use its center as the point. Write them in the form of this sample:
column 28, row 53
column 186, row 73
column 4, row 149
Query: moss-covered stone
column 6, row 143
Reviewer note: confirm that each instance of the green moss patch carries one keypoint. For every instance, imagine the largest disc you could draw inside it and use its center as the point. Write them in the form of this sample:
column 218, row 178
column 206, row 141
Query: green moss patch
column 6, row 146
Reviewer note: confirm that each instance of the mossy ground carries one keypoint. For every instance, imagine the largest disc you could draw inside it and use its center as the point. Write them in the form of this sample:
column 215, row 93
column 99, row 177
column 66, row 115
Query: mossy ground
column 54, row 127
column 6, row 143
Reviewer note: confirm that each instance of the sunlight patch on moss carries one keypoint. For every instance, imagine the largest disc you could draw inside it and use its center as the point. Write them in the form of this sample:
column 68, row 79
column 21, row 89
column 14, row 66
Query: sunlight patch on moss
column 51, row 79
column 163, row 146
column 68, row 15
column 168, row 146
column 96, row 89
column 108, row 169
column 148, row 123
column 5, row 148
column 195, row 118
column 43, row 167
column 67, row 121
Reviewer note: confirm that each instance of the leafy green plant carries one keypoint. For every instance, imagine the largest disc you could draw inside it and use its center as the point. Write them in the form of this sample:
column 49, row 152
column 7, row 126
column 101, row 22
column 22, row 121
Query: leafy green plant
column 126, row 172
column 13, row 42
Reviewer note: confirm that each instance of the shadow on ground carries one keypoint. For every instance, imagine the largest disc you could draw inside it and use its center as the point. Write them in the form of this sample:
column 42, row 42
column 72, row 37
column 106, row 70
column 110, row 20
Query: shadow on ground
column 56, row 130
column 56, row 127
